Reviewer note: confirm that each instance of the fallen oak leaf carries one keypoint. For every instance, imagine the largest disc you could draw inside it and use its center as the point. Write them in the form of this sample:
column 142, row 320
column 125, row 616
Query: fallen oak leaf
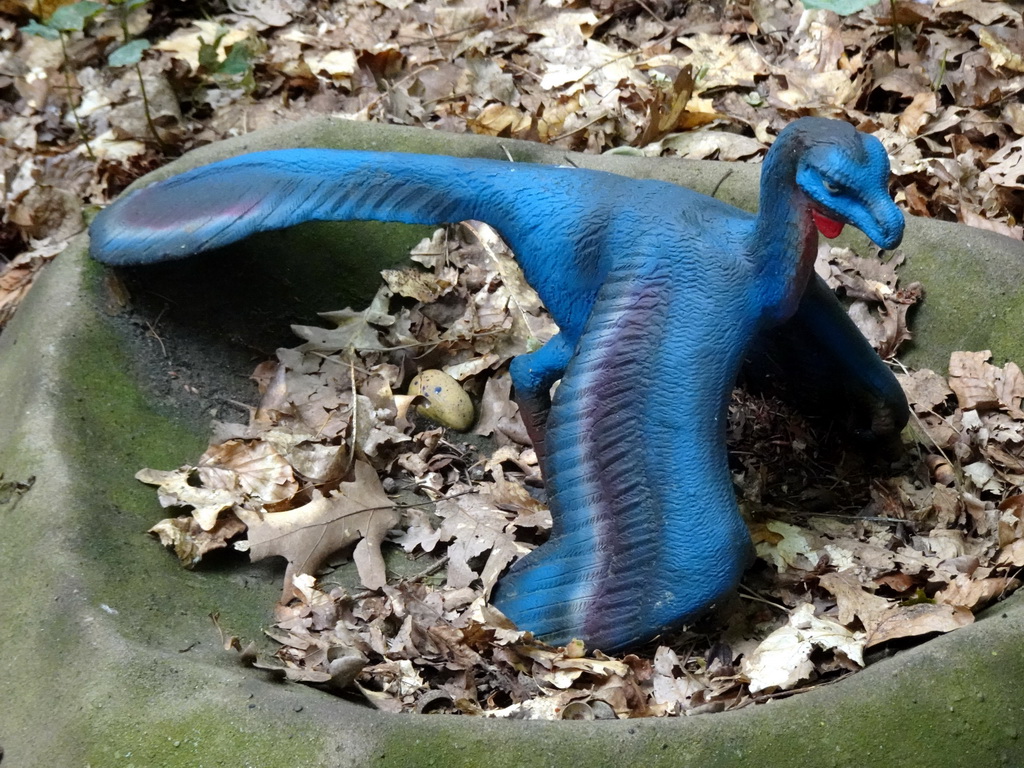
column 1011, row 555
column 359, row 511
column 255, row 466
column 925, row 389
column 474, row 524
column 670, row 690
column 353, row 330
column 307, row 455
column 225, row 476
column 786, row 546
column 667, row 110
column 974, row 380
column 885, row 620
column 174, row 489
column 854, row 601
column 549, row 707
column 419, row 284
column 498, row 413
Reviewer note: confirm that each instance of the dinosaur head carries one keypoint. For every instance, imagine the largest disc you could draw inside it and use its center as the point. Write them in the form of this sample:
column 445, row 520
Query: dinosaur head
column 845, row 174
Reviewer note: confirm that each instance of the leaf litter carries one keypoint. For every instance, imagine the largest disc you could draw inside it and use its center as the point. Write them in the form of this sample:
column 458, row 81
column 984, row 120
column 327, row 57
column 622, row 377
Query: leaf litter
column 854, row 560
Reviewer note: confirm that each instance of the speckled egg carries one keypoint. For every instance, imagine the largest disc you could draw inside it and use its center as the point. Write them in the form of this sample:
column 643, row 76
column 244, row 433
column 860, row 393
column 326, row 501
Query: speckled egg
column 447, row 402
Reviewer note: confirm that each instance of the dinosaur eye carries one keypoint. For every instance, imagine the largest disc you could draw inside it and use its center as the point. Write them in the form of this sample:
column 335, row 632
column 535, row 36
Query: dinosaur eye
column 832, row 189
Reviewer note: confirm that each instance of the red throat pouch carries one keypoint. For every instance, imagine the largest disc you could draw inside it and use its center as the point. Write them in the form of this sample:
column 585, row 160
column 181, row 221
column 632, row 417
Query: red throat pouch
column 828, row 227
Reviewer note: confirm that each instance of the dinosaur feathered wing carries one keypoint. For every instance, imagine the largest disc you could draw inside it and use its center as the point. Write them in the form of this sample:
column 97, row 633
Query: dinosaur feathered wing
column 827, row 368
column 646, row 529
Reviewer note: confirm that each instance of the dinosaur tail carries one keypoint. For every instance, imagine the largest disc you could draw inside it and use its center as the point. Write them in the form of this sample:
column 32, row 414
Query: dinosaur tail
column 218, row 204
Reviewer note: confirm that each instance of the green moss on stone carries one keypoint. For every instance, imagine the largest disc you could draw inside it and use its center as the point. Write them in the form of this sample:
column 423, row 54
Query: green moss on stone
column 203, row 736
column 112, row 431
column 973, row 295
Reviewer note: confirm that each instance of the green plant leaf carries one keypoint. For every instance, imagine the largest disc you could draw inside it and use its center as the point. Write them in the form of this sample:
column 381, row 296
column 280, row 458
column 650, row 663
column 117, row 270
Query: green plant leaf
column 238, row 60
column 71, row 18
column 40, row 30
column 208, row 60
column 842, row 7
column 129, row 53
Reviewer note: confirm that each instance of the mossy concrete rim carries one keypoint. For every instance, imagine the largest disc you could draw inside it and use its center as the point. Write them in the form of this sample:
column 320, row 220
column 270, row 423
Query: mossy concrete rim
column 113, row 688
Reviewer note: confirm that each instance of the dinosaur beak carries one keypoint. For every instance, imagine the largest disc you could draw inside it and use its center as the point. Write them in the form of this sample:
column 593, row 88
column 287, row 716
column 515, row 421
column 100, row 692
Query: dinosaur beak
column 885, row 225
column 880, row 220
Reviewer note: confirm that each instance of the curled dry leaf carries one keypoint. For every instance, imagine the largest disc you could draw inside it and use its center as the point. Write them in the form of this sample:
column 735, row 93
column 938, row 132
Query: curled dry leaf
column 783, row 659
column 226, row 475
column 975, row 594
column 190, row 542
column 176, row 490
column 920, row 619
column 786, row 546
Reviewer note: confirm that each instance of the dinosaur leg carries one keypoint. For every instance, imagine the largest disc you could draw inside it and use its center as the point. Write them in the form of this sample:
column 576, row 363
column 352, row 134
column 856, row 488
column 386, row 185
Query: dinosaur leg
column 533, row 375
column 820, row 362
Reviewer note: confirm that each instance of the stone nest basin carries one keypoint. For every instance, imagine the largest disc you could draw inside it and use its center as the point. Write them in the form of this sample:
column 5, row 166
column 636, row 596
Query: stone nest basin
column 109, row 657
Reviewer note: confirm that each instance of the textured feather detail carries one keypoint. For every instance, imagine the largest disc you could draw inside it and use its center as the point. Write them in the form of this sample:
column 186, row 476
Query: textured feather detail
column 639, row 514
column 219, row 204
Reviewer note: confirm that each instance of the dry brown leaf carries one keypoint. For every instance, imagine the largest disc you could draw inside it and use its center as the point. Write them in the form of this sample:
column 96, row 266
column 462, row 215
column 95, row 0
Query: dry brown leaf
column 783, row 659
column 975, row 594
column 974, row 379
column 1011, row 555
column 498, row 413
column 703, row 145
column 307, row 455
column 359, row 511
column 671, row 688
column 786, row 546
column 1005, row 45
column 722, row 62
column 920, row 619
column 184, row 44
column 190, row 542
column 668, row 108
column 854, row 601
column 176, row 490
column 354, row 330
column 474, row 525
column 420, row 285
column 253, row 466
column 926, row 389
column 501, row 120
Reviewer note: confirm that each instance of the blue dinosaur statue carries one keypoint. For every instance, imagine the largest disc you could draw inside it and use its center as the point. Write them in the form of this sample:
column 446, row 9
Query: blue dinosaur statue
column 659, row 292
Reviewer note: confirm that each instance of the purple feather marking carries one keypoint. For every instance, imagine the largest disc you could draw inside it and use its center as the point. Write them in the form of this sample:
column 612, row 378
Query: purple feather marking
column 614, row 372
